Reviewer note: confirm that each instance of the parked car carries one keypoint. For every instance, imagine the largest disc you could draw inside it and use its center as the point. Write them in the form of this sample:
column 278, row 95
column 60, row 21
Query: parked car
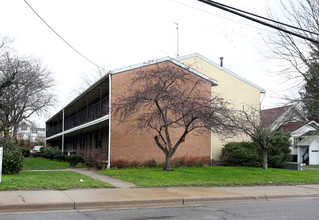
column 36, row 149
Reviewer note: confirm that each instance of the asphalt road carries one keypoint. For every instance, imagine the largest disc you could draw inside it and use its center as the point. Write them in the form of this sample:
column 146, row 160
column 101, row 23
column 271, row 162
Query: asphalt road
column 295, row 209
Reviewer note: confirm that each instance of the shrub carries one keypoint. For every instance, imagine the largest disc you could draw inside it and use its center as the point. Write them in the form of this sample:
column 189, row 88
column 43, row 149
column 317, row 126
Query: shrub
column 248, row 154
column 150, row 163
column 241, row 154
column 37, row 154
column 12, row 161
column 75, row 159
column 25, row 151
column 22, row 144
column 61, row 158
column 134, row 164
column 178, row 162
column 203, row 161
column 120, row 164
column 50, row 153
column 190, row 161
column 279, row 152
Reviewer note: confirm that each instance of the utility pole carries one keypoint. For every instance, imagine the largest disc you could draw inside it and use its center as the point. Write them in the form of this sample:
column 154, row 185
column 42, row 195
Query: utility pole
column 177, row 38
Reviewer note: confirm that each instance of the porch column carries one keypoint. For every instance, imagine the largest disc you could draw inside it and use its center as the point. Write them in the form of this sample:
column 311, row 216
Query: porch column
column 62, row 131
column 109, row 139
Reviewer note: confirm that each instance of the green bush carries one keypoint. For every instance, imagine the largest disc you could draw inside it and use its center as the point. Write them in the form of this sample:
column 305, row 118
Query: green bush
column 50, row 153
column 37, row 154
column 25, row 151
column 22, row 144
column 279, row 152
column 248, row 154
column 12, row 161
column 75, row 159
column 61, row 158
column 241, row 154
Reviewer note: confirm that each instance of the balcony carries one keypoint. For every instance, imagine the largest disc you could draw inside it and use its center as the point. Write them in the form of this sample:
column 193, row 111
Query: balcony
column 90, row 113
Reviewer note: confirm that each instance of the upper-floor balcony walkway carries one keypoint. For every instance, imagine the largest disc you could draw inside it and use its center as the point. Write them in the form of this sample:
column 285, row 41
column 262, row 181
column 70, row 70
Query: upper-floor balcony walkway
column 91, row 113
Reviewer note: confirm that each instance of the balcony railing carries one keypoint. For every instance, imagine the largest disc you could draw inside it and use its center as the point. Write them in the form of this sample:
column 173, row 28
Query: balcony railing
column 91, row 113
column 54, row 130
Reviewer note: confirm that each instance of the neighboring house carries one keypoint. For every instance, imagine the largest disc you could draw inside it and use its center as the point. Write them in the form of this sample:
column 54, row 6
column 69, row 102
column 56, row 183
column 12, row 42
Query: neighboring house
column 87, row 126
column 303, row 144
column 29, row 132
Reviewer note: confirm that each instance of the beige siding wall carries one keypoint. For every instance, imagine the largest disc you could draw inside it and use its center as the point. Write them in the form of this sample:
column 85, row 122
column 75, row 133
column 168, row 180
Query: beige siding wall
column 232, row 89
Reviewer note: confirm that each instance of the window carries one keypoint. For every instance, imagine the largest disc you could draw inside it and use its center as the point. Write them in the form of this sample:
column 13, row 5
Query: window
column 75, row 146
column 82, row 143
column 296, row 141
column 89, row 141
column 98, row 139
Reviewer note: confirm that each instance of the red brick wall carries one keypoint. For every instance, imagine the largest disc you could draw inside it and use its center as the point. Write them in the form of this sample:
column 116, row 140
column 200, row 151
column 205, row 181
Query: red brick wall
column 139, row 145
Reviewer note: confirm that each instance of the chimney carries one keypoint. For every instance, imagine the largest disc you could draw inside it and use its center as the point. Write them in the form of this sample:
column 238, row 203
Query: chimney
column 221, row 61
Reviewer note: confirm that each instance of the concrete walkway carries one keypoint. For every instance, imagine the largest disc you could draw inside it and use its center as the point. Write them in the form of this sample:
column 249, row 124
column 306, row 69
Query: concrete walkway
column 98, row 176
column 103, row 177
column 41, row 200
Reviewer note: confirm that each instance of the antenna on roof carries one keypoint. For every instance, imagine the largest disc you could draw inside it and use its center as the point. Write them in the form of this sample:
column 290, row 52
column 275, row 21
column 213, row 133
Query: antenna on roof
column 177, row 38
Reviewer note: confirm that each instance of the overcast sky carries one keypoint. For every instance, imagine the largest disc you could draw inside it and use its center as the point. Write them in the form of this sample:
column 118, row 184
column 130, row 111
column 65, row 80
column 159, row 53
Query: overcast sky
column 116, row 34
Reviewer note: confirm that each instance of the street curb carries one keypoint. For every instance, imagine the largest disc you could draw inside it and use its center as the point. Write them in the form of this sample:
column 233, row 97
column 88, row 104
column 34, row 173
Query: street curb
column 146, row 203
column 130, row 203
column 292, row 196
column 37, row 207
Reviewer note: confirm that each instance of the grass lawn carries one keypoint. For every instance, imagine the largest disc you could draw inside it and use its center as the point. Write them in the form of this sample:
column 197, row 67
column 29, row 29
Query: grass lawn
column 61, row 180
column 31, row 163
column 213, row 176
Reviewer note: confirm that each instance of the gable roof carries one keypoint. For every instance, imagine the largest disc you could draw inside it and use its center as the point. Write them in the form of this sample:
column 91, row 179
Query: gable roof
column 279, row 115
column 269, row 116
column 307, row 140
column 140, row 65
column 293, row 126
column 221, row 68
column 173, row 60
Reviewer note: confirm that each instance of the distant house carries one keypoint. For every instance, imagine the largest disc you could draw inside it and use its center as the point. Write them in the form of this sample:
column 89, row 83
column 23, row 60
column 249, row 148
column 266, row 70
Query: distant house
column 28, row 132
column 303, row 132
column 87, row 126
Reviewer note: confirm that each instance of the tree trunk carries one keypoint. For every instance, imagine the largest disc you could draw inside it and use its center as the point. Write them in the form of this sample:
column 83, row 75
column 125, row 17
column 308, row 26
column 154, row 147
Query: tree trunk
column 264, row 157
column 168, row 162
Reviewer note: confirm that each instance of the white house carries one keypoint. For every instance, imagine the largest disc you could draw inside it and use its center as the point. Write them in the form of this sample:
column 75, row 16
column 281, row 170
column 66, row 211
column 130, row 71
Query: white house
column 28, row 131
column 304, row 145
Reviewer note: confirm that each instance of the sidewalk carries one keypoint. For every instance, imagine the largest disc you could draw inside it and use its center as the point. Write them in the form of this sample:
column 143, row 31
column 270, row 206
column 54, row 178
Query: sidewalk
column 14, row 201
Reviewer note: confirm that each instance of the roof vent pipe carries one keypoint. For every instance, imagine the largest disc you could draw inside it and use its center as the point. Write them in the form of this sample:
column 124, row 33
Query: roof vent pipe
column 221, row 61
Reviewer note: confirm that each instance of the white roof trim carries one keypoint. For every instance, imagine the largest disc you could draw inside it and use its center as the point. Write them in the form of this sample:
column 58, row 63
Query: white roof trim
column 91, row 123
column 120, row 70
column 175, row 61
column 222, row 68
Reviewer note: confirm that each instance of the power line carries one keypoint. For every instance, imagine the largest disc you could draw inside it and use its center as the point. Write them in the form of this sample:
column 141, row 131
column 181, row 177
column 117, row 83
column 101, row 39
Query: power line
column 87, row 59
column 207, row 12
column 217, row 5
column 268, row 19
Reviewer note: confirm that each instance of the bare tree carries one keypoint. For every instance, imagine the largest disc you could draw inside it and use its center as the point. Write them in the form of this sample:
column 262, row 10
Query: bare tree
column 260, row 128
column 297, row 56
column 28, row 93
column 3, row 45
column 168, row 98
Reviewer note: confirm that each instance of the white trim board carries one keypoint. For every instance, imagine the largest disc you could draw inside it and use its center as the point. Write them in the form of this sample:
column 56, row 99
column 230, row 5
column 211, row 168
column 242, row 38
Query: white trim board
column 88, row 124
column 222, row 68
